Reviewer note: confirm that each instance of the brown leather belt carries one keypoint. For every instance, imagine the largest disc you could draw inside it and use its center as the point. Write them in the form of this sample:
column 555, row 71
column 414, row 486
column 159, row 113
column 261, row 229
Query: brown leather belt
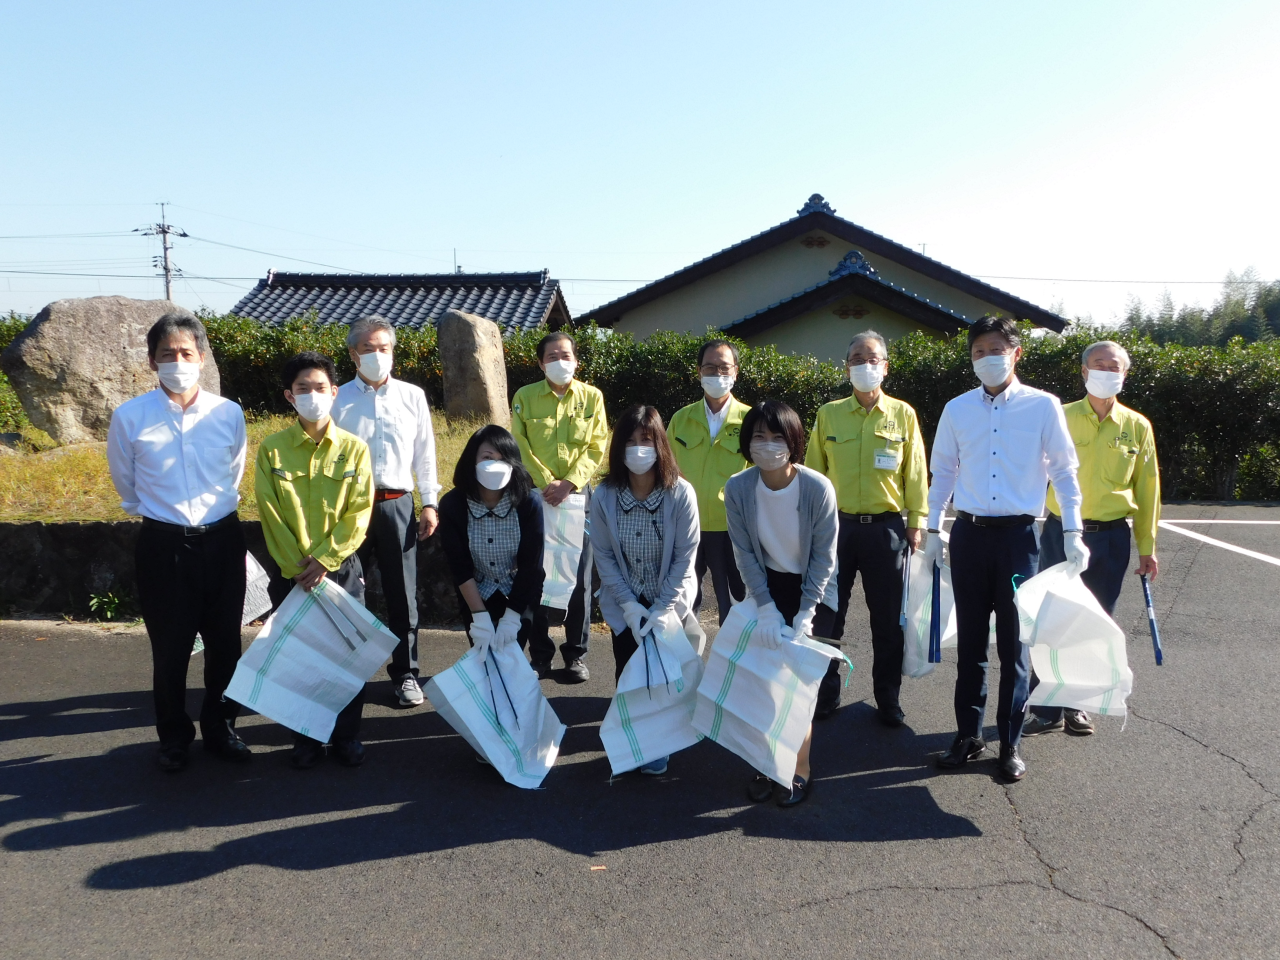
column 389, row 494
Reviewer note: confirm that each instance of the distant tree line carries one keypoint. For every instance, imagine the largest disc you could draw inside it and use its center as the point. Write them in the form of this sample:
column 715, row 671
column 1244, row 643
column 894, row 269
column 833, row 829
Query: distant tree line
column 1248, row 308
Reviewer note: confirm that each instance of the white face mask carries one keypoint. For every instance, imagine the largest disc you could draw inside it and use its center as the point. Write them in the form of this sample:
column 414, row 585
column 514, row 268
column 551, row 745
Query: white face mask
column 493, row 474
column 375, row 367
column 560, row 372
column 312, row 407
column 1104, row 384
column 866, row 376
column 641, row 459
column 770, row 454
column 995, row 369
column 179, row 376
column 717, row 387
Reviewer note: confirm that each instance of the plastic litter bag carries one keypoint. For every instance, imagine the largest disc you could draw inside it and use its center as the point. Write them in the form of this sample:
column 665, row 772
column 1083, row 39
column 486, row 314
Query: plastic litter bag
column 565, row 525
column 497, row 706
column 651, row 715
column 310, row 658
column 1078, row 652
column 757, row 702
column 919, row 615
column 256, row 600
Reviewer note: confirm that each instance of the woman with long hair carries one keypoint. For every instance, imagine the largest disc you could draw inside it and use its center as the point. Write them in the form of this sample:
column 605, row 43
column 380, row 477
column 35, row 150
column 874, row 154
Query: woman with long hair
column 646, row 538
column 783, row 524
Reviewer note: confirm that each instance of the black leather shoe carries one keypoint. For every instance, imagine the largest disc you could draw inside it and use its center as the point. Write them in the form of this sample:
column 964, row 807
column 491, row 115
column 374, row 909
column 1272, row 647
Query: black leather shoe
column 800, row 790
column 760, row 789
column 306, row 754
column 233, row 749
column 1011, row 766
column 577, row 671
column 962, row 751
column 543, row 670
column 349, row 753
column 172, row 759
column 826, row 708
column 891, row 716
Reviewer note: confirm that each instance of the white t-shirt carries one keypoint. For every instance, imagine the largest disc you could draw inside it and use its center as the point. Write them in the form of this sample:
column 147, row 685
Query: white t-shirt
column 778, row 524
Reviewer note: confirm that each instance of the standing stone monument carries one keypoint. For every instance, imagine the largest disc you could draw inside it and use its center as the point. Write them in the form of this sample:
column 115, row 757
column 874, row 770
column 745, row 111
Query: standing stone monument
column 474, row 369
column 80, row 359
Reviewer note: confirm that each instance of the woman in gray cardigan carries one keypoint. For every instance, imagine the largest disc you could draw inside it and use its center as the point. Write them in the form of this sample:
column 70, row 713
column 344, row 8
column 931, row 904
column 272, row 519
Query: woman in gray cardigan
column 783, row 525
column 645, row 533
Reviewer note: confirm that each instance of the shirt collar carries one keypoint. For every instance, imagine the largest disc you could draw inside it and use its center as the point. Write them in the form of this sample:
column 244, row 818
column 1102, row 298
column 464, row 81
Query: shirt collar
column 197, row 405
column 1012, row 390
column 370, row 388
column 627, row 500
column 502, row 509
column 300, row 435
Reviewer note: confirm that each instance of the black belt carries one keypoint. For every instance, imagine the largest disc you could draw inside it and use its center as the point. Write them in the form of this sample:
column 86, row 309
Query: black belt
column 178, row 529
column 1093, row 526
column 869, row 517
column 1018, row 520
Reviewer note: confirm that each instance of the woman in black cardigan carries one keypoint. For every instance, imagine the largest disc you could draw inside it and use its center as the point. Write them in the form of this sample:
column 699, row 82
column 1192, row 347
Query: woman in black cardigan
column 491, row 531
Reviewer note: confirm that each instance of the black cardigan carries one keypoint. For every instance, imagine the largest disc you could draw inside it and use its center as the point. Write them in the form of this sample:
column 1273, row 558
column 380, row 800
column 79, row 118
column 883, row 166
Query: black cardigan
column 526, row 589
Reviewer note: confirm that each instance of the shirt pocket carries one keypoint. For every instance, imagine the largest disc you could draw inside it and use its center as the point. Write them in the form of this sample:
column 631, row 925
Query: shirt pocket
column 730, row 438
column 890, row 442
column 1118, row 464
column 338, row 480
column 580, row 429
column 843, row 447
column 541, row 432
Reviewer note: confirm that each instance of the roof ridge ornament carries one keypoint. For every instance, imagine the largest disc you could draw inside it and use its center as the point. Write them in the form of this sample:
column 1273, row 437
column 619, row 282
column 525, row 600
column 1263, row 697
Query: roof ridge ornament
column 816, row 205
column 851, row 263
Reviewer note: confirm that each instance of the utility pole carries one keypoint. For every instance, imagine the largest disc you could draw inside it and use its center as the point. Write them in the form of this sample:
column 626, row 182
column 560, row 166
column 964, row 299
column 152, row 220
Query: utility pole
column 164, row 230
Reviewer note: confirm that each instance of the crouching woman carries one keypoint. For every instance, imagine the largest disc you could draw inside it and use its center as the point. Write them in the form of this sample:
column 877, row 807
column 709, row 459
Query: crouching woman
column 645, row 534
column 783, row 525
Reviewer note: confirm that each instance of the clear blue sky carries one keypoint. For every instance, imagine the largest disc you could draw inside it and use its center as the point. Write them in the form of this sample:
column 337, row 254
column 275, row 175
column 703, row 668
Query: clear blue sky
column 1088, row 141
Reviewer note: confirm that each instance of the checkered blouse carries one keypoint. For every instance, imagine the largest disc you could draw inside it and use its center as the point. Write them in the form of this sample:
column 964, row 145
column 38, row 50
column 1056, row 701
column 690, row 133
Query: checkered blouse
column 640, row 533
column 494, row 536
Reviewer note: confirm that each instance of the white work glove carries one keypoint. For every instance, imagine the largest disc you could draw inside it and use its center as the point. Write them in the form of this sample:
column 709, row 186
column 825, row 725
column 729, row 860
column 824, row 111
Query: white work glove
column 769, row 626
column 935, row 551
column 508, row 627
column 1077, row 553
column 633, row 614
column 661, row 619
column 800, row 628
column 482, row 633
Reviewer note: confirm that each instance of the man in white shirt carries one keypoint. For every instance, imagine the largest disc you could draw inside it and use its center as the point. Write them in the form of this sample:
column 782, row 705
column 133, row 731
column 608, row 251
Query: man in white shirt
column 393, row 418
column 177, row 456
column 995, row 451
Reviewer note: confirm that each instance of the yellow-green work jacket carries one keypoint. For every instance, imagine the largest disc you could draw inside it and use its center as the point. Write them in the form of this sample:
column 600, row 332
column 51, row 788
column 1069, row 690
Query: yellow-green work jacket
column 708, row 463
column 560, row 438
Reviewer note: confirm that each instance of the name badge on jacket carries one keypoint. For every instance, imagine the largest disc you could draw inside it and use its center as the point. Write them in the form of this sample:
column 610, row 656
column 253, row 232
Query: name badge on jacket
column 886, row 459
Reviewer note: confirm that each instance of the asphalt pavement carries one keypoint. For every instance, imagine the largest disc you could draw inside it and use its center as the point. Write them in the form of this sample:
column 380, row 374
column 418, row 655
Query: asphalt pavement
column 1157, row 837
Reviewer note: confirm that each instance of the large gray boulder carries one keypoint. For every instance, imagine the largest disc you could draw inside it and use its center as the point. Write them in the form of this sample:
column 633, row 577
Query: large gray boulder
column 473, row 367
column 80, row 359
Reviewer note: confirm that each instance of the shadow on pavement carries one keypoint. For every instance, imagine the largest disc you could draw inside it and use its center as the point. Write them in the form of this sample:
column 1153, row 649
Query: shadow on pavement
column 422, row 791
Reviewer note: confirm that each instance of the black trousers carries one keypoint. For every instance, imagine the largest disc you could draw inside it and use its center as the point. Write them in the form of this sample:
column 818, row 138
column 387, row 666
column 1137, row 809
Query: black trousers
column 189, row 585
column 715, row 553
column 577, row 619
column 875, row 550
column 391, row 544
column 350, row 577
column 785, row 589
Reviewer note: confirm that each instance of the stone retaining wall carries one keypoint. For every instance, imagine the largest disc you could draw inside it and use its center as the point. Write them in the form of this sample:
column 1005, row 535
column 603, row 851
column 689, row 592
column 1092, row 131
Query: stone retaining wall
column 58, row 567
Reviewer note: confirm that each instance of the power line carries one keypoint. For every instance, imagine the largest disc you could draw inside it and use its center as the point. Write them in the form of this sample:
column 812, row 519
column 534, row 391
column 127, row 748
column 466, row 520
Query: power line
column 113, row 276
column 66, row 236
column 278, row 256
column 989, row 276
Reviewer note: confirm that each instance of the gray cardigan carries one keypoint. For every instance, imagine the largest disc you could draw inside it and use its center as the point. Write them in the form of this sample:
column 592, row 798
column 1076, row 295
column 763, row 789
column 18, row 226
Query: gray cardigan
column 679, row 547
column 819, row 529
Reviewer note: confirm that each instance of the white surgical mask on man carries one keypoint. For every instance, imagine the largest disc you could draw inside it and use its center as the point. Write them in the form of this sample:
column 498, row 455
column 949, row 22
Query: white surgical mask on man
column 641, row 459
column 560, row 372
column 312, row 407
column 770, row 454
column 717, row 387
column 1104, row 384
column 994, row 370
column 493, row 474
column 375, row 367
column 866, row 376
column 179, row 376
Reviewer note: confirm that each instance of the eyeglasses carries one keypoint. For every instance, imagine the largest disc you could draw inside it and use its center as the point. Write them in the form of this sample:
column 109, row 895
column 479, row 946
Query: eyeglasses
column 725, row 370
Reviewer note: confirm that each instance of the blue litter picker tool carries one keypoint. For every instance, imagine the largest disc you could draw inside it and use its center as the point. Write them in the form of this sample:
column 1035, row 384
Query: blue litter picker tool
column 935, row 617
column 1151, row 621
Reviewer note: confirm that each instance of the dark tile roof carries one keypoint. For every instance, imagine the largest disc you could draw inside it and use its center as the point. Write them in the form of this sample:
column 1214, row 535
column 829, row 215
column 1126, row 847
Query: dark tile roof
column 817, row 214
column 515, row 301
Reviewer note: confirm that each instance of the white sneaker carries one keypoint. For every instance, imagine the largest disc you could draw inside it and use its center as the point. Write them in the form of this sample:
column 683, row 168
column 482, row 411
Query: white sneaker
column 409, row 693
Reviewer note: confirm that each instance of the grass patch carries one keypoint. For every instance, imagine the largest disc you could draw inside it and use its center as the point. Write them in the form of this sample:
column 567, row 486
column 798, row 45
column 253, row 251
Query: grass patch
column 57, row 484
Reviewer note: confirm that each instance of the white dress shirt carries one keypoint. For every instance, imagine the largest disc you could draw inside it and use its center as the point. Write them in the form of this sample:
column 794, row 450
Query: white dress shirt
column 174, row 465
column 715, row 420
column 996, row 456
column 395, row 421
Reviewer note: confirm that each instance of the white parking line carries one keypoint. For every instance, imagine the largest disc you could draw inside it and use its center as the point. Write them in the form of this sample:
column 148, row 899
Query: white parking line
column 1274, row 523
column 1265, row 558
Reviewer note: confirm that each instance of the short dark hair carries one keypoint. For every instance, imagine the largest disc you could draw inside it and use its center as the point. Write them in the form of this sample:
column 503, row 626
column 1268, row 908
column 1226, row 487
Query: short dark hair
column 647, row 418
column 779, row 418
column 464, row 472
column 307, row 360
column 711, row 344
column 1005, row 328
column 172, row 323
column 553, row 337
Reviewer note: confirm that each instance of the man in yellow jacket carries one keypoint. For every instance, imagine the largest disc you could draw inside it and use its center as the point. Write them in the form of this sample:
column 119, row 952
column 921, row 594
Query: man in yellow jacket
column 1119, row 479
column 705, row 440
column 869, row 446
column 314, row 486
column 560, row 426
